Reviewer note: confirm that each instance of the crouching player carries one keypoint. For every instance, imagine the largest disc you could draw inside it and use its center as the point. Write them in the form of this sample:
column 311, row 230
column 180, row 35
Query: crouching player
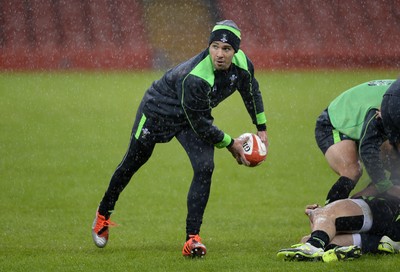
column 338, row 229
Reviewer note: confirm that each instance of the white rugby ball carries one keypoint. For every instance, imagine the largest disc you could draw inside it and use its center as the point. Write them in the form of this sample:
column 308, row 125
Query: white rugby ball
column 255, row 150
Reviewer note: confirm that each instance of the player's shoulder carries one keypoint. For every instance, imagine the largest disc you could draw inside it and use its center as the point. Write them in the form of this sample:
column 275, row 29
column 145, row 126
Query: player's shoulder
column 242, row 61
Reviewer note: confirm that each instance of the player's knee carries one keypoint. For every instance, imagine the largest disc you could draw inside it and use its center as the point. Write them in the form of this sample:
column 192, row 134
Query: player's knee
column 124, row 171
column 204, row 167
column 203, row 172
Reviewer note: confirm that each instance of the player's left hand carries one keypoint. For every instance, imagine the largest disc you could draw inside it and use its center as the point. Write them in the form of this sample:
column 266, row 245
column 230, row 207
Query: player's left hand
column 264, row 137
column 378, row 114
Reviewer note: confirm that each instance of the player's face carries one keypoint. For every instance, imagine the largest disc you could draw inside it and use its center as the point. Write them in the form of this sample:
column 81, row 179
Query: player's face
column 221, row 55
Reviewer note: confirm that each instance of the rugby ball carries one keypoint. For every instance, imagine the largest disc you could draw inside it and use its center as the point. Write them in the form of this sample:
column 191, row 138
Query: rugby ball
column 255, row 150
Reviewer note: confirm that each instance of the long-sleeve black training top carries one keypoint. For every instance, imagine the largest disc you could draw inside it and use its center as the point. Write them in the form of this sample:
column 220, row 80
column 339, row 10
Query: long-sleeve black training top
column 186, row 94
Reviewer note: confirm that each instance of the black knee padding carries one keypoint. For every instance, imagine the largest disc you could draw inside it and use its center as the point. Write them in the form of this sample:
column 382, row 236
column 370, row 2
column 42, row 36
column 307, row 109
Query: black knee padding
column 349, row 223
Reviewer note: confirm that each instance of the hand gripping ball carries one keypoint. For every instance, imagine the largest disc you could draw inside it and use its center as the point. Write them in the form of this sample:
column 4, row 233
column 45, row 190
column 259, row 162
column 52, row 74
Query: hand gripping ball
column 255, row 150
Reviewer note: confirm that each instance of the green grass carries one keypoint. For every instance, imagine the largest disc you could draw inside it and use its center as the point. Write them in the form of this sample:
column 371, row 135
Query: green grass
column 63, row 134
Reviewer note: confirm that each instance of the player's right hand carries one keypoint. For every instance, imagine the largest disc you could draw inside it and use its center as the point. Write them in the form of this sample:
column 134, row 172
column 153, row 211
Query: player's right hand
column 237, row 151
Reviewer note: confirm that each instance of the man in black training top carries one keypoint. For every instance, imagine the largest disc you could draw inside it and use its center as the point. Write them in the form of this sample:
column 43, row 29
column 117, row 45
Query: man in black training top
column 180, row 105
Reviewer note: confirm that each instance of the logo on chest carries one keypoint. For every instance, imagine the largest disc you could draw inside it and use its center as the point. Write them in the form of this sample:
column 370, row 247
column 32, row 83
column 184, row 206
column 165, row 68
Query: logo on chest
column 232, row 78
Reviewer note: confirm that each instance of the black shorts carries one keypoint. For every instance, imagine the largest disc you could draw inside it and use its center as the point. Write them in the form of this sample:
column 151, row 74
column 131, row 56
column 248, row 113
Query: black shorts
column 325, row 134
column 150, row 129
column 386, row 216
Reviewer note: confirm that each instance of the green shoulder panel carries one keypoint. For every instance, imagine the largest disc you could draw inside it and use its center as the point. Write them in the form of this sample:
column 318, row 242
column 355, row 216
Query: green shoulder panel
column 204, row 70
column 240, row 60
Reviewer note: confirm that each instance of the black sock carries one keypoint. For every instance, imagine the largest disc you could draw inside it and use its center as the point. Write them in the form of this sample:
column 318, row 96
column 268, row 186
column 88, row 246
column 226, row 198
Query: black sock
column 340, row 190
column 319, row 238
column 105, row 213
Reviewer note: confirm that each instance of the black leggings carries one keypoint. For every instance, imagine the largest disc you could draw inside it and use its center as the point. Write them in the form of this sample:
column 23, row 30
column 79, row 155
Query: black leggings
column 137, row 155
column 201, row 155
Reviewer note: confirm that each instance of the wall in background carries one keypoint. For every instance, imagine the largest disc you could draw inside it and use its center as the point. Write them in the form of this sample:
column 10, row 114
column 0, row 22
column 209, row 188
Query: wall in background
column 147, row 34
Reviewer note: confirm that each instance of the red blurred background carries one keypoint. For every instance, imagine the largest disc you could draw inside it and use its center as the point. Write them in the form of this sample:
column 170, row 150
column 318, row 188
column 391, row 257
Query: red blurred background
column 154, row 34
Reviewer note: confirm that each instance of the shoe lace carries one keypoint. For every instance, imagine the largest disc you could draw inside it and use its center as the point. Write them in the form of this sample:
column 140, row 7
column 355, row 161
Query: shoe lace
column 102, row 224
column 196, row 238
